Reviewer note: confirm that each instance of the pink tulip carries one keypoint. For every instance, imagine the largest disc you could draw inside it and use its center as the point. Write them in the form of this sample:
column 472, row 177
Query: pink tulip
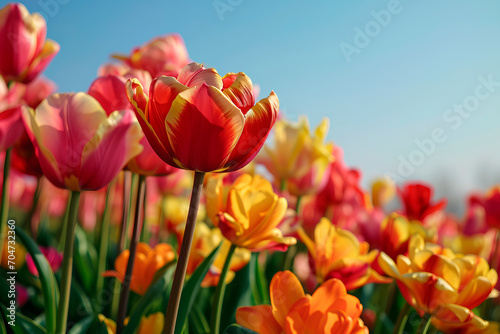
column 109, row 91
column 25, row 50
column 164, row 55
column 51, row 254
column 78, row 146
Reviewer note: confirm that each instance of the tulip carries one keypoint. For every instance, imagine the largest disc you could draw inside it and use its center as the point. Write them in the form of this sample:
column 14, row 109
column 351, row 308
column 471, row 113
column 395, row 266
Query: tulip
column 337, row 253
column 25, row 52
column 249, row 214
column 77, row 145
column 416, row 198
column 442, row 284
column 164, row 55
column 203, row 122
column 299, row 158
column 147, row 261
column 491, row 204
column 12, row 248
column 11, row 123
column 329, row 310
column 54, row 258
column 383, row 190
column 150, row 324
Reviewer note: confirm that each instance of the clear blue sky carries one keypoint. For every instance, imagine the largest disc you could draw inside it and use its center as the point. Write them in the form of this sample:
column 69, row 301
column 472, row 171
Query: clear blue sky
column 396, row 89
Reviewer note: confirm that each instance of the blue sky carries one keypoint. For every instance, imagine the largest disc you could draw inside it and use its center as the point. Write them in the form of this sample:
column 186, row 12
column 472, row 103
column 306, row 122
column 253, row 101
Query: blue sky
column 408, row 70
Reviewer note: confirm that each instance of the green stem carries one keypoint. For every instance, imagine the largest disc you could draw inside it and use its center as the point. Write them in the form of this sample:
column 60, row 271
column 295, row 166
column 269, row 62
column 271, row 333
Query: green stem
column 424, row 324
column 4, row 205
column 67, row 265
column 104, row 238
column 219, row 293
column 402, row 318
column 145, row 231
column 187, row 240
column 391, row 296
column 34, row 204
column 282, row 185
column 125, row 291
column 64, row 224
column 127, row 184
column 297, row 204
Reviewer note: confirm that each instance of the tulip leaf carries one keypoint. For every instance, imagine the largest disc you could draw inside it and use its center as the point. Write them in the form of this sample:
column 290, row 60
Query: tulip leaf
column 49, row 286
column 237, row 329
column 198, row 320
column 155, row 291
column 23, row 324
column 191, row 289
column 258, row 282
column 82, row 326
column 85, row 257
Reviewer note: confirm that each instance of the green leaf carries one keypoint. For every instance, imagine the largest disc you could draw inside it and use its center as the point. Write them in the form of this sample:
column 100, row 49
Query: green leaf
column 155, row 291
column 50, row 289
column 191, row 289
column 82, row 326
column 198, row 321
column 22, row 323
column 258, row 282
column 85, row 257
column 237, row 329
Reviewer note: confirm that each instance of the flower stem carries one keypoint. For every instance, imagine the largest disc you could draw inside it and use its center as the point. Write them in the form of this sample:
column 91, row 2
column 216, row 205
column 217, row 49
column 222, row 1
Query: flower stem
column 219, row 293
column 424, row 324
column 402, row 318
column 29, row 217
column 127, row 183
column 104, row 238
column 4, row 205
column 64, row 225
column 125, row 291
column 67, row 265
column 187, row 240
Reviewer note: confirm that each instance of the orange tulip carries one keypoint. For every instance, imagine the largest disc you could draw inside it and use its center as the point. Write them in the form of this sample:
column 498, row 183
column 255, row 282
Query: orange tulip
column 78, row 146
column 203, row 122
column 25, row 52
column 329, row 310
column 249, row 214
column 337, row 253
column 147, row 262
column 441, row 283
column 151, row 324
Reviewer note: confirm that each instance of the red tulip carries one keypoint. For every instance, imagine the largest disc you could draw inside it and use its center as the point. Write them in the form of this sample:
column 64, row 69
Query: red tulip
column 25, row 50
column 203, row 122
column 78, row 146
column 11, row 124
column 416, row 198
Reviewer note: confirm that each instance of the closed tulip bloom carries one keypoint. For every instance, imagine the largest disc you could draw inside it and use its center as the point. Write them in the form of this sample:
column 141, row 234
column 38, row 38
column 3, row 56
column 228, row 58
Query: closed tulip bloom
column 164, row 55
column 25, row 50
column 337, row 253
column 11, row 123
column 203, row 122
column 441, row 283
column 416, row 198
column 329, row 310
column 383, row 190
column 147, row 261
column 109, row 91
column 78, row 146
column 250, row 214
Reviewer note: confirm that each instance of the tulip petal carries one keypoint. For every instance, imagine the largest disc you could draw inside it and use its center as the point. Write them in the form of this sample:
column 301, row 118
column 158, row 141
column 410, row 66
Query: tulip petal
column 11, row 127
column 195, row 74
column 114, row 144
column 258, row 123
column 241, row 92
column 109, row 91
column 139, row 101
column 258, row 318
column 203, row 127
column 285, row 291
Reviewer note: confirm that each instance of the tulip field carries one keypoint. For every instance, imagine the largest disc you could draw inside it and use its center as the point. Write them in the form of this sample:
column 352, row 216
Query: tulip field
column 170, row 198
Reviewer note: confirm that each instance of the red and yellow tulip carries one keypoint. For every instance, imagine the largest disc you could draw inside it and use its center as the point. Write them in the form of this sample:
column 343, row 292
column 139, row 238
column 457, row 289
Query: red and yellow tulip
column 203, row 122
column 441, row 283
column 337, row 253
column 248, row 213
